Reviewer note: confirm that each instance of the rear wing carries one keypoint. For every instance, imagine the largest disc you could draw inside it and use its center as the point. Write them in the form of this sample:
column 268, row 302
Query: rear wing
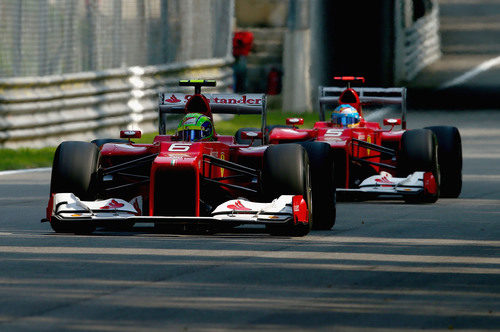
column 224, row 103
column 367, row 96
column 220, row 103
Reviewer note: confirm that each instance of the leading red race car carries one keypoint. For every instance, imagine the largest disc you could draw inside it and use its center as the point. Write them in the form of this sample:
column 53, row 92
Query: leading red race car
column 184, row 180
column 417, row 165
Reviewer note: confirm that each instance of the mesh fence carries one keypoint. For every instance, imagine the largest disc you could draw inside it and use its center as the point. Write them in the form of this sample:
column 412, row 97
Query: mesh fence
column 47, row 37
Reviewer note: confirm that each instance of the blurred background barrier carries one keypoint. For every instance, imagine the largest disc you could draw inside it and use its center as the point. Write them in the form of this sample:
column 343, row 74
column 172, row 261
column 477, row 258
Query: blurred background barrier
column 41, row 111
column 302, row 44
column 77, row 69
column 417, row 42
column 82, row 69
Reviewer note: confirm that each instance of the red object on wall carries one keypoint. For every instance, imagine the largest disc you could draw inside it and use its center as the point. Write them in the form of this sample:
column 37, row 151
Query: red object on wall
column 242, row 43
column 274, row 82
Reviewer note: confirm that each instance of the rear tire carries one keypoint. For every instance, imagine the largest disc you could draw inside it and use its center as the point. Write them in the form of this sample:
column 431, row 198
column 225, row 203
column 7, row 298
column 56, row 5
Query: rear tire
column 322, row 183
column 73, row 171
column 419, row 153
column 450, row 160
column 286, row 172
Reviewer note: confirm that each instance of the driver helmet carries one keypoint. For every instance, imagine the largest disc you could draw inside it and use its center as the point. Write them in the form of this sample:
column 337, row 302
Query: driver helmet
column 345, row 116
column 195, row 127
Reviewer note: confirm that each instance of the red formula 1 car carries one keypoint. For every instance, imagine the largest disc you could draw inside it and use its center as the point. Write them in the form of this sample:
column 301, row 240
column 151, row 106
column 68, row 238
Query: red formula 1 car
column 183, row 181
column 417, row 165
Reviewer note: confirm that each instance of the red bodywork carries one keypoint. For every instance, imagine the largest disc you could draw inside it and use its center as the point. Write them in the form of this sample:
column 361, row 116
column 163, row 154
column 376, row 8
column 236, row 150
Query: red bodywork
column 179, row 178
column 359, row 151
column 343, row 142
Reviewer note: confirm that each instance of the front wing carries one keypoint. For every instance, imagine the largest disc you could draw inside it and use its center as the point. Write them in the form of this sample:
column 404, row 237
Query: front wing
column 286, row 208
column 385, row 185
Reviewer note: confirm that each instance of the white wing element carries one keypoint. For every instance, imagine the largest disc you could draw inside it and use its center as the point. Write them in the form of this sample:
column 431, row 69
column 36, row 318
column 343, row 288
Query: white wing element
column 385, row 182
column 279, row 209
column 67, row 207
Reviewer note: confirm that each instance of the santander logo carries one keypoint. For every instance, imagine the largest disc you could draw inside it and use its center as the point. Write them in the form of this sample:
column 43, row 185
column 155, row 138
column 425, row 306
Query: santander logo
column 113, row 205
column 236, row 99
column 238, row 206
column 173, row 99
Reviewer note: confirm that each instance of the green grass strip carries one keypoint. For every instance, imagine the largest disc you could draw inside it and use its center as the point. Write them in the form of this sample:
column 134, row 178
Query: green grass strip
column 26, row 158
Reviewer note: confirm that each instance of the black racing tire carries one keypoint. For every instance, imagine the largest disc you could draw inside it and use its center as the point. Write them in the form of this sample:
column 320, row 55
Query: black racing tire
column 73, row 171
column 322, row 183
column 247, row 141
column 101, row 141
column 450, row 160
column 419, row 153
column 286, row 172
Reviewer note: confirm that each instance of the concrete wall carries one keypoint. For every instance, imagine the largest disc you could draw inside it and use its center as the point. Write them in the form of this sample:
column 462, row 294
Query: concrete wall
column 386, row 41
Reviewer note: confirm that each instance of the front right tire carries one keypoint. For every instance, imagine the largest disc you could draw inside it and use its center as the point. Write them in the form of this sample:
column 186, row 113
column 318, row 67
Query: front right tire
column 450, row 160
column 323, row 184
column 74, row 170
column 286, row 172
column 419, row 152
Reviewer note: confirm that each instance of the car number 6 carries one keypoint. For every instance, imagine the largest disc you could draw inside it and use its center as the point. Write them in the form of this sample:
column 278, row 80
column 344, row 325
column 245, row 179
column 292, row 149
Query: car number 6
column 179, row 147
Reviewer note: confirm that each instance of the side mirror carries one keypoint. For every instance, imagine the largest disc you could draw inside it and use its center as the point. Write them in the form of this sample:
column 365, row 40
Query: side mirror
column 294, row 121
column 130, row 134
column 392, row 122
column 251, row 134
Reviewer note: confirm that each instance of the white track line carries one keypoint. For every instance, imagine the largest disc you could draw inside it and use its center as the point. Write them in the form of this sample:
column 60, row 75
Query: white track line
column 471, row 73
column 20, row 171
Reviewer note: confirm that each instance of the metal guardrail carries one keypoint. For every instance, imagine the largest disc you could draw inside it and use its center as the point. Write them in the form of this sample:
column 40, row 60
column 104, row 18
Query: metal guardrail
column 417, row 43
column 44, row 111
column 422, row 44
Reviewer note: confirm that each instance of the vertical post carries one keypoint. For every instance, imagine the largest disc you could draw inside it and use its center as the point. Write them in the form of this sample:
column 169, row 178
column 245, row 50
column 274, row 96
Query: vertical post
column 117, row 49
column 403, row 116
column 319, row 65
column 400, row 8
column 89, row 62
column 17, row 55
column 387, row 41
column 164, row 32
column 68, row 56
column 42, row 38
column 297, row 58
column 185, row 51
column 222, row 28
column 142, row 42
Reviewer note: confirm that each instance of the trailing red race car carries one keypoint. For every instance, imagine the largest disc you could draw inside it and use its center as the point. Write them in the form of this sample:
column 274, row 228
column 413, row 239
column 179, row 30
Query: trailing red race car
column 195, row 179
column 417, row 165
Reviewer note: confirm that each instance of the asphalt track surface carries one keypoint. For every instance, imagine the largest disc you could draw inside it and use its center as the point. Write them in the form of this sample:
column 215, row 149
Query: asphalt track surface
column 384, row 266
